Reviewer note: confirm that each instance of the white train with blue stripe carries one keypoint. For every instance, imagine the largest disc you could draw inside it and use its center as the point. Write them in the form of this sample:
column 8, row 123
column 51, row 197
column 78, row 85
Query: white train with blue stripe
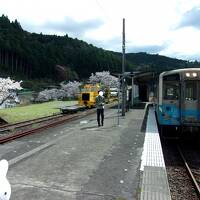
column 178, row 101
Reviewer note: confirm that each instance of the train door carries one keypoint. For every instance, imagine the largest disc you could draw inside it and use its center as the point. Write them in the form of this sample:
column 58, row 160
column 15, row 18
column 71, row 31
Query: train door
column 171, row 102
column 190, row 102
column 170, row 107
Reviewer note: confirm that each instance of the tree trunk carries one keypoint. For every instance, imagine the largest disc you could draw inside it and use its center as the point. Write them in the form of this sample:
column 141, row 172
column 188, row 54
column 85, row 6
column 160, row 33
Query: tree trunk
column 12, row 66
column 16, row 63
column 6, row 59
column 30, row 71
column 0, row 56
column 4, row 99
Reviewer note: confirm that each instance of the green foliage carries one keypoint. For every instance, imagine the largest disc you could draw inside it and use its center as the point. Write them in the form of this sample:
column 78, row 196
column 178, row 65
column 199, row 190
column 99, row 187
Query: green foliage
column 36, row 55
column 30, row 56
column 23, row 113
column 38, row 84
column 157, row 63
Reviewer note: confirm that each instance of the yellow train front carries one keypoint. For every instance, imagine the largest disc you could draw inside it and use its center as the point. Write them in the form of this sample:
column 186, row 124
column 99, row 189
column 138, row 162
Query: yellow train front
column 88, row 95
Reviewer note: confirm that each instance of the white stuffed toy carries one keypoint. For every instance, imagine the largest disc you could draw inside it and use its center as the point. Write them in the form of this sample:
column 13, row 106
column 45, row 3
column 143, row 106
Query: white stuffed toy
column 5, row 188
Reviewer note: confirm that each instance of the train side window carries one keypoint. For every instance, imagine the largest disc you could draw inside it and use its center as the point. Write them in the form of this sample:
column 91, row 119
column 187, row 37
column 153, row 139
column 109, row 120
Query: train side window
column 171, row 91
column 190, row 91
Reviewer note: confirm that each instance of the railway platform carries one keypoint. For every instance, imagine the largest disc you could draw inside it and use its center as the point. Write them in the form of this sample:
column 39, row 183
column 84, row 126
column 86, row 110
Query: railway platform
column 154, row 184
column 81, row 161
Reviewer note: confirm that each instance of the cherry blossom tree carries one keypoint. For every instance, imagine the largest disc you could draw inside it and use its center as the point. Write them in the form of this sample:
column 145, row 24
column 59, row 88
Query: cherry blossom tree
column 71, row 89
column 8, row 88
column 104, row 78
column 52, row 94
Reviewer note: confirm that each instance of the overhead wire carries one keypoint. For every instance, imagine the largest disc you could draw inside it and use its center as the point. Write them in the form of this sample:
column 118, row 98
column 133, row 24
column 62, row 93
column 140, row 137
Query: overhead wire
column 105, row 13
column 102, row 9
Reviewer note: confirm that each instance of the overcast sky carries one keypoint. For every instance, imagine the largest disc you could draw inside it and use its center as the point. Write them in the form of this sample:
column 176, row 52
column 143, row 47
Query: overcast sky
column 166, row 27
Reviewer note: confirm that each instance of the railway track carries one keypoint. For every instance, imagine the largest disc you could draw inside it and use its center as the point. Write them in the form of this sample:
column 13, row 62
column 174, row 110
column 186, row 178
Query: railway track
column 14, row 131
column 11, row 132
column 8, row 127
column 180, row 182
column 193, row 172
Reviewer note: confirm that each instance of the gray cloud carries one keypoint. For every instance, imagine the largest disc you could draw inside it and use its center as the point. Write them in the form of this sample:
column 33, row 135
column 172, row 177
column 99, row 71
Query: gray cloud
column 112, row 44
column 191, row 58
column 68, row 25
column 191, row 18
column 115, row 44
column 148, row 49
column 71, row 26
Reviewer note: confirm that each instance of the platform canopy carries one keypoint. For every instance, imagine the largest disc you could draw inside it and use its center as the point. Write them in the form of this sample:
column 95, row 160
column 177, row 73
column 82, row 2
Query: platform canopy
column 144, row 77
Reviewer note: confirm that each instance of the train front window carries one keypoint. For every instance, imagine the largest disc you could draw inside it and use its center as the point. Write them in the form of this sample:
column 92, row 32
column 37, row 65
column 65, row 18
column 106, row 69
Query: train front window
column 171, row 90
column 190, row 90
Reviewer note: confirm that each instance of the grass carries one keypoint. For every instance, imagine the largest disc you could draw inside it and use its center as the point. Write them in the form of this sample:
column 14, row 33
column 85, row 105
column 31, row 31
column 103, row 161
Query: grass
column 19, row 114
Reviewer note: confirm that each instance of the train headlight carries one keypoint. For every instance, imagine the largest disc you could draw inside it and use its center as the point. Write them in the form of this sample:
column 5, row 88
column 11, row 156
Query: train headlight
column 187, row 74
column 194, row 74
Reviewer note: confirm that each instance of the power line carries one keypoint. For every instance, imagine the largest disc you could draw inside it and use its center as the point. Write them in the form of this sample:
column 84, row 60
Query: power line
column 103, row 10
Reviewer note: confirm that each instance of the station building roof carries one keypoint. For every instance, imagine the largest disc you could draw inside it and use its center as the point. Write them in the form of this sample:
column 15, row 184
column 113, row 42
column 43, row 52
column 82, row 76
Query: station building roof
column 144, row 77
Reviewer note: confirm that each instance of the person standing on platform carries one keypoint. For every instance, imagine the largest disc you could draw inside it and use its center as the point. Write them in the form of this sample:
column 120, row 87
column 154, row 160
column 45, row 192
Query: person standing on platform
column 100, row 107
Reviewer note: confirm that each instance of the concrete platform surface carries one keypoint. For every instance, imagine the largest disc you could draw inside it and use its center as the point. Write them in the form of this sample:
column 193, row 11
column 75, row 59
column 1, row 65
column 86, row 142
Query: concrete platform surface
column 79, row 161
column 154, row 182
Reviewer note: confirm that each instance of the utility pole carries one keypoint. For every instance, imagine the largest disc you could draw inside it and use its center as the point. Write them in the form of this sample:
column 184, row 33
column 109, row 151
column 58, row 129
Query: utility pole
column 132, row 95
column 118, row 101
column 123, row 70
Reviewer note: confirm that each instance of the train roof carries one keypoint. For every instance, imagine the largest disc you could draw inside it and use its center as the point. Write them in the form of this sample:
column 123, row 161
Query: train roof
column 179, row 71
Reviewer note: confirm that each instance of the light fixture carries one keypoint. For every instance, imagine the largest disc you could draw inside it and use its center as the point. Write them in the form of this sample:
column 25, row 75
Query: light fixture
column 194, row 74
column 187, row 74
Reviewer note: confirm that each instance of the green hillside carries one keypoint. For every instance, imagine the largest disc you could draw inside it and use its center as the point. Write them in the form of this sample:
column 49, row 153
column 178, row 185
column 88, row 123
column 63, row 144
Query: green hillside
column 157, row 63
column 31, row 56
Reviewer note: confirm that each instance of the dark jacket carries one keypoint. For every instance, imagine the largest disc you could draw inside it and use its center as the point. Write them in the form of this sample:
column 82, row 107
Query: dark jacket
column 100, row 102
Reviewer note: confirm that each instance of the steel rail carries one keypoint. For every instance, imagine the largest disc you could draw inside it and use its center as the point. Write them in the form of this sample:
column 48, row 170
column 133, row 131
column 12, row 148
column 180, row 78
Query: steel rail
column 189, row 171
column 28, row 122
column 64, row 119
column 46, row 126
column 34, row 130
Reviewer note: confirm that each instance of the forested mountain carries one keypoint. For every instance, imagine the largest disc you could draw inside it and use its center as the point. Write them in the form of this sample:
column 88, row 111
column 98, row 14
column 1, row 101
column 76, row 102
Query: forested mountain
column 38, row 56
column 35, row 55
column 158, row 63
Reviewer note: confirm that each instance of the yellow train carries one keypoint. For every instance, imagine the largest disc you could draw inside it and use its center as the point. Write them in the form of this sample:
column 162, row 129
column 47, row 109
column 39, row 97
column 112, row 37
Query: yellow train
column 88, row 95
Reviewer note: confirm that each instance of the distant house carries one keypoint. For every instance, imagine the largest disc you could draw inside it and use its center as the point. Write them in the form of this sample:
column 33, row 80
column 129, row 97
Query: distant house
column 12, row 101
